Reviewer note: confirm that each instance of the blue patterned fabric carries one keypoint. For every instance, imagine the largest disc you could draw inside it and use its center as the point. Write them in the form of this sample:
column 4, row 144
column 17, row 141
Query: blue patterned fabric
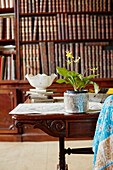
column 103, row 139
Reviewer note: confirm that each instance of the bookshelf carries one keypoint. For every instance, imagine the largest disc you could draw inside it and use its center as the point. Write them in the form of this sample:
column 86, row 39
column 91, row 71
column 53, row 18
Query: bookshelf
column 44, row 30
column 47, row 31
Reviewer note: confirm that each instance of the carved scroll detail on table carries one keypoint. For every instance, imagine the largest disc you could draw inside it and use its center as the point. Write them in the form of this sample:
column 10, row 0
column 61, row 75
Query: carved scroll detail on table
column 52, row 127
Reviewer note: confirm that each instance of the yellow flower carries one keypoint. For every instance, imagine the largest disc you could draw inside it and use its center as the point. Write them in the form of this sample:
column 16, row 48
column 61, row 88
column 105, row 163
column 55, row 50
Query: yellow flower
column 69, row 54
column 77, row 60
column 93, row 69
column 69, row 62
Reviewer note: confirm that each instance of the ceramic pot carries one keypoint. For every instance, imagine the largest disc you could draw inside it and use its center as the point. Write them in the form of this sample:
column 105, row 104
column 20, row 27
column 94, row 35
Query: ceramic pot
column 76, row 102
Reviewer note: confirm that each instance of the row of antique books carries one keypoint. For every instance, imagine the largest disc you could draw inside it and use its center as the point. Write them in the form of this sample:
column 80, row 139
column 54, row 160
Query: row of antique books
column 7, row 27
column 7, row 67
column 64, row 27
column 6, row 3
column 39, row 6
column 45, row 57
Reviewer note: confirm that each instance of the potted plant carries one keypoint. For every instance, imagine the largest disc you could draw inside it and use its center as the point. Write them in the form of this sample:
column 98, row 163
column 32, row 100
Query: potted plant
column 76, row 100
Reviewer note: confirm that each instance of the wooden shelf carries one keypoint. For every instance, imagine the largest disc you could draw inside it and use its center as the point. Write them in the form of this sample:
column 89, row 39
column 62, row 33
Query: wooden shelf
column 7, row 42
column 55, row 13
column 6, row 10
column 61, row 41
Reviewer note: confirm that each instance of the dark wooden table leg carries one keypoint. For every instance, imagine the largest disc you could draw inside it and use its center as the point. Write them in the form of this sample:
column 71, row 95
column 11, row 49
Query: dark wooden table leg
column 61, row 154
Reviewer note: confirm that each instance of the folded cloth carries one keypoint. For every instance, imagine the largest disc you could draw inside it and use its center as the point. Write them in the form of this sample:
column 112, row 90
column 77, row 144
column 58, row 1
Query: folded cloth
column 103, row 138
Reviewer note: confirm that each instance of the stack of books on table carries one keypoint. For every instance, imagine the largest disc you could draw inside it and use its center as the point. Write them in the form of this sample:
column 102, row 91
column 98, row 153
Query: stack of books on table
column 45, row 95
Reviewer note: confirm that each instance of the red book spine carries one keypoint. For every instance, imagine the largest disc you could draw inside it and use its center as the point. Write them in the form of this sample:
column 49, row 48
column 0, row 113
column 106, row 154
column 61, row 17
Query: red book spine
column 51, row 57
column 74, row 26
column 111, row 59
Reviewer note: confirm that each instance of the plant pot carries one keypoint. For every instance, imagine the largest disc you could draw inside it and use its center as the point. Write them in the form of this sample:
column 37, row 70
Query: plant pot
column 76, row 102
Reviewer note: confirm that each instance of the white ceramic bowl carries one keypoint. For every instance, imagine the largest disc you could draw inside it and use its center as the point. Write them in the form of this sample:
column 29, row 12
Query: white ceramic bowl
column 40, row 81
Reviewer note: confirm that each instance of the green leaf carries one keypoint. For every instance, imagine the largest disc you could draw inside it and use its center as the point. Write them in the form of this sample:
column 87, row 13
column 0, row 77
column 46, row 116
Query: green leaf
column 96, row 86
column 62, row 81
column 89, row 77
column 62, row 71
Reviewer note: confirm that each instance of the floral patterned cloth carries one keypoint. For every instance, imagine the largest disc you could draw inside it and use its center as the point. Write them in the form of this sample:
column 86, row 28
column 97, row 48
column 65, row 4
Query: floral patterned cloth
column 103, row 139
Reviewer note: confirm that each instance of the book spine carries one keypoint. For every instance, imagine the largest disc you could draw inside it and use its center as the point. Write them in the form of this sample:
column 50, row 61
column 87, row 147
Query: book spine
column 79, row 26
column 37, row 6
column 111, row 26
column 24, row 62
column 102, row 24
column 83, row 26
column 63, row 55
column 101, row 62
column 45, row 6
column 48, row 28
column 87, row 26
column 72, row 50
column 55, row 28
column 37, row 59
column 106, row 27
column 44, row 59
column 108, row 64
column 44, row 28
column 91, row 27
column 66, row 26
column 99, row 27
column 74, row 26
column 86, row 61
column 12, row 28
column 30, row 36
column 75, row 6
column 111, row 59
column 82, row 58
column 13, row 77
column 97, row 60
column 40, row 28
column 56, row 57
column 51, row 57
column 104, row 64
column 51, row 27
column 59, row 26
column 95, row 27
column 77, row 54
column 34, row 59
column 62, row 26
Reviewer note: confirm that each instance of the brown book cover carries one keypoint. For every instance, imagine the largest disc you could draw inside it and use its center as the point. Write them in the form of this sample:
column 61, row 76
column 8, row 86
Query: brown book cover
column 44, row 60
column 47, row 28
column 60, row 6
column 64, row 5
column 59, row 26
column 30, row 36
column 33, row 6
column 29, row 6
column 51, row 28
column 94, row 5
column 108, row 64
column 103, row 28
column 97, row 60
column 87, row 26
column 37, row 59
column 90, row 5
column 12, row 28
column 22, row 9
column 97, row 43
column 40, row 27
column 57, row 6
column 106, row 27
column 97, row 5
column 27, row 58
column 101, row 5
column 79, row 5
column 79, row 26
column 30, row 48
column 26, row 28
column 91, row 27
column 4, row 28
column 82, row 58
column 89, row 59
column 100, row 62
column 8, row 28
column 71, row 5
column 23, row 29
column 72, row 65
column 94, row 59
column 74, row 26
column 86, row 5
column 86, row 71
column 55, row 28
column 70, row 27
column 53, row 6
column 99, row 27
column 25, row 6
column 66, row 26
column 83, row 19
column 77, row 54
column 109, row 5
column 34, row 59
column 67, row 5
column 95, row 26
column 111, row 59
column 1, row 28
column 83, row 5
column 64, row 55
column 45, row 6
column 111, row 26
column 44, row 27
column 51, row 57
column 62, row 27
column 56, row 57
column 41, row 5
column 37, row 6
column 104, row 64
column 75, row 5
column 60, row 56
column 104, row 5
column 24, row 64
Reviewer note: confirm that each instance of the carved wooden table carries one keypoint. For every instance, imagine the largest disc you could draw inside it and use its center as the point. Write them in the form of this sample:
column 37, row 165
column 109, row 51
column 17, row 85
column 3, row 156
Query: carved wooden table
column 78, row 126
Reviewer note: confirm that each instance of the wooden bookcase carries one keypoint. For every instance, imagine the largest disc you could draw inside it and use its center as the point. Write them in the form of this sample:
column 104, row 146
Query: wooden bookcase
column 44, row 30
